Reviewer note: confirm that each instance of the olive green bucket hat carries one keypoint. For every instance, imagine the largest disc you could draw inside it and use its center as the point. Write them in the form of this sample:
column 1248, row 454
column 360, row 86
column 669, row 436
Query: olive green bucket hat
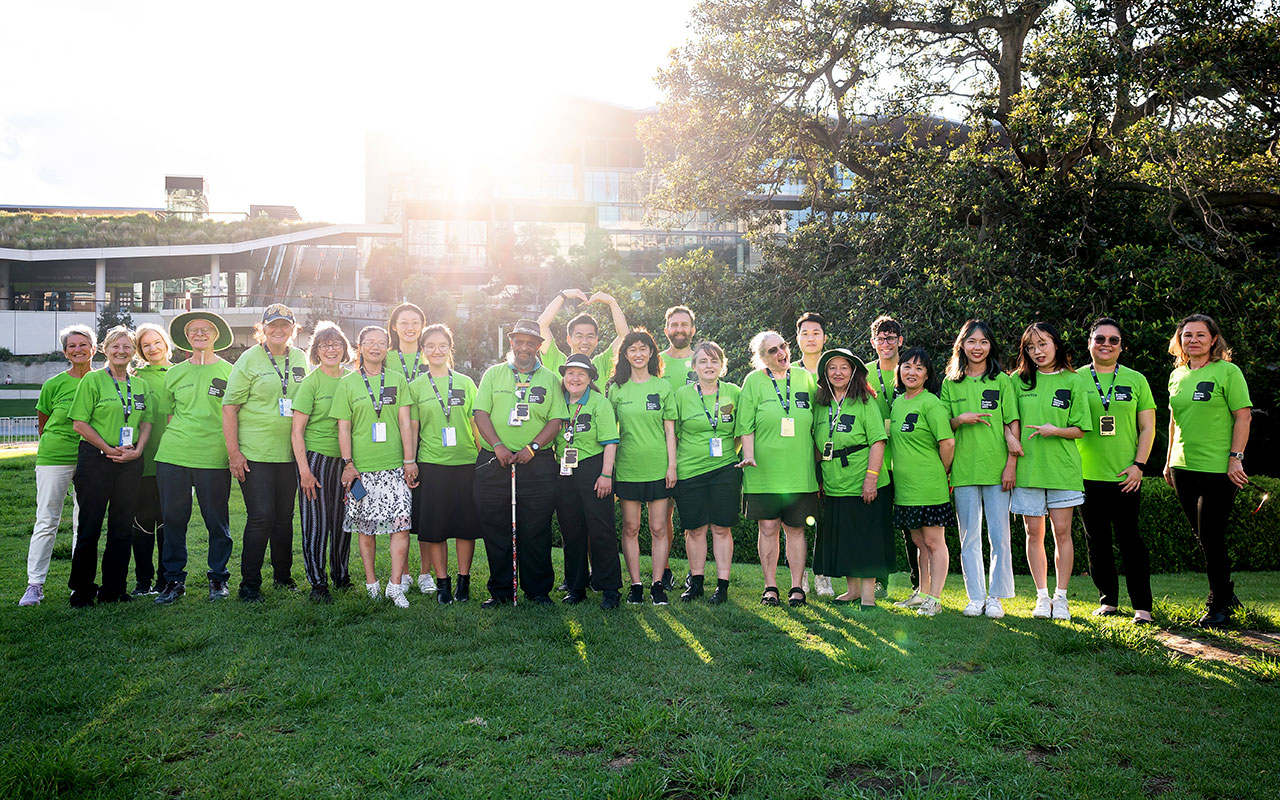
column 178, row 329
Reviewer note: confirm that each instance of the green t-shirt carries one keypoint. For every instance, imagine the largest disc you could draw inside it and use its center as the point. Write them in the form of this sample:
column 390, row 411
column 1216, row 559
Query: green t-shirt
column 694, row 413
column 315, row 399
column 981, row 452
column 193, row 396
column 352, row 401
column 1051, row 462
column 916, row 427
column 497, row 396
column 677, row 371
column 641, row 409
column 1103, row 458
column 883, row 383
column 849, row 423
column 97, row 402
column 1201, row 402
column 410, row 365
column 154, row 374
column 593, row 424
column 59, row 444
column 255, row 386
column 785, row 464
column 602, row 361
column 458, row 394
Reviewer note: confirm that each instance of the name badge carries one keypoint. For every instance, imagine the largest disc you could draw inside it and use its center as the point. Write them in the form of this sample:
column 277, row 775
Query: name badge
column 379, row 431
column 514, row 421
column 449, row 437
column 521, row 411
column 717, row 447
column 570, row 457
column 126, row 437
column 1107, row 426
column 286, row 407
column 828, row 451
column 565, row 469
column 788, row 427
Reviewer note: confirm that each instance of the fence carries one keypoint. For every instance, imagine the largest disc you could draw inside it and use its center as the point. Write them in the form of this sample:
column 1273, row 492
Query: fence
column 17, row 431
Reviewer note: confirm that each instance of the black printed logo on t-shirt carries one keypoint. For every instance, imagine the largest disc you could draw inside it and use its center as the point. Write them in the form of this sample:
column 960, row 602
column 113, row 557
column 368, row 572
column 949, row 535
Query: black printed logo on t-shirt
column 457, row 397
column 298, row 374
column 583, row 424
column 845, row 423
column 538, row 394
column 652, row 403
column 217, row 387
column 726, row 412
column 388, row 395
column 1124, row 394
column 802, row 399
column 140, row 402
column 1203, row 392
column 990, row 399
column 909, row 424
column 1062, row 398
column 690, row 378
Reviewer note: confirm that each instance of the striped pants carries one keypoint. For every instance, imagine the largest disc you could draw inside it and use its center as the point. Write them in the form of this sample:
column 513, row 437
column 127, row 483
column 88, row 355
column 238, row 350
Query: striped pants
column 322, row 521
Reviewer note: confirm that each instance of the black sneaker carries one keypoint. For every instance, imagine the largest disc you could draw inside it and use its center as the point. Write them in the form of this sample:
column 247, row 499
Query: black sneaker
column 142, row 589
column 159, row 587
column 463, row 594
column 694, row 588
column 635, row 595
column 658, row 593
column 218, row 591
column 320, row 594
column 494, row 602
column 573, row 598
column 611, row 600
column 668, row 579
column 342, row 585
column 540, row 600
column 288, row 586
column 82, row 599
column 444, row 591
column 250, row 594
column 172, row 591
column 720, row 595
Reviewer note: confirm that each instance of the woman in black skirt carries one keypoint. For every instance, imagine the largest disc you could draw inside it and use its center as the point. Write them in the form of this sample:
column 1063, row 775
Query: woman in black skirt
column 441, row 403
column 849, row 434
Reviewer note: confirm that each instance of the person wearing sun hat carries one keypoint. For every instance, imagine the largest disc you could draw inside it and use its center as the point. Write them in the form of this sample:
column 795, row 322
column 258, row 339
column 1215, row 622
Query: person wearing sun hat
column 193, row 454
column 257, row 420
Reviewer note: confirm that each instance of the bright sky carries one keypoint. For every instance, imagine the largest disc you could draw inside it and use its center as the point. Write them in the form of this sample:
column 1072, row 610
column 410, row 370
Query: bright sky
column 269, row 101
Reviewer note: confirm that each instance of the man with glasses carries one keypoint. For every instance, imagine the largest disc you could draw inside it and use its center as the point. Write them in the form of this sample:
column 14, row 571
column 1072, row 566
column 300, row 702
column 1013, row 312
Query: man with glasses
column 887, row 339
column 582, row 332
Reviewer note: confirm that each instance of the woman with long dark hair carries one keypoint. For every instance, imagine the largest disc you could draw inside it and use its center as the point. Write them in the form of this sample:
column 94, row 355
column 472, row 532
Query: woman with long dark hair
column 646, row 463
column 406, row 326
column 1054, row 410
column 984, row 415
column 1208, row 431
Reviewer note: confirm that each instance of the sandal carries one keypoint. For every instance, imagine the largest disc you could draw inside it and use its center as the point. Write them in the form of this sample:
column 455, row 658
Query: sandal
column 766, row 599
column 794, row 601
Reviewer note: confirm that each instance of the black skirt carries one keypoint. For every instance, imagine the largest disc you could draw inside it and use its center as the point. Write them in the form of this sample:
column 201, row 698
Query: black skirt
column 446, row 509
column 642, row 491
column 942, row 515
column 851, row 540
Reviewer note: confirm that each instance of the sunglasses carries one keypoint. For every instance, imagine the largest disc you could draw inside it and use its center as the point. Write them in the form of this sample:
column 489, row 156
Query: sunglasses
column 773, row 351
column 1111, row 340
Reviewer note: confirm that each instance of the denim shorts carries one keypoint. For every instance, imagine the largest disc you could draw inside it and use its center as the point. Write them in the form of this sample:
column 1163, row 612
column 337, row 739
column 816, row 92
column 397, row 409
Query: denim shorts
column 1037, row 502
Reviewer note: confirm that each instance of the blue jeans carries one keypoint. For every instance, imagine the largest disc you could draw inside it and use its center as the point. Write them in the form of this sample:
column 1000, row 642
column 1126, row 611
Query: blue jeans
column 213, row 491
column 971, row 502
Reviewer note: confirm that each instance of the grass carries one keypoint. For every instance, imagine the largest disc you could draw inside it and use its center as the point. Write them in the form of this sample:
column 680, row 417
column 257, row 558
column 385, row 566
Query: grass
column 361, row 700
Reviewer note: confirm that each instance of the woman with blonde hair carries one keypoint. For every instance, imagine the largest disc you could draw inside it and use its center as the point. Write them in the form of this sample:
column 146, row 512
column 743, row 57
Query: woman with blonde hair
column 154, row 349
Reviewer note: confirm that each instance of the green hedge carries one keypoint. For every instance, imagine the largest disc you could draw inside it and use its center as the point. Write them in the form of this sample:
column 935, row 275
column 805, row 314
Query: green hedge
column 1253, row 539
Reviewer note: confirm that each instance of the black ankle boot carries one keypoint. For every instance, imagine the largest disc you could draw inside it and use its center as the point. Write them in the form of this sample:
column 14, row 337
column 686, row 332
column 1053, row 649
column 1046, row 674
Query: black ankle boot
column 695, row 588
column 464, row 589
column 721, row 593
column 444, row 594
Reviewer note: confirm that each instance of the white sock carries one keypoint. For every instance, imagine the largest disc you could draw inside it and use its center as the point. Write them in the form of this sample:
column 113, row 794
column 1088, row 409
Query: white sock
column 1042, row 592
column 1060, row 593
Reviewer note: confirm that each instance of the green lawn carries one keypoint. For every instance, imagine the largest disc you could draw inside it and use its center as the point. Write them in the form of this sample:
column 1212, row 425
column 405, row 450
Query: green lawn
column 362, row 700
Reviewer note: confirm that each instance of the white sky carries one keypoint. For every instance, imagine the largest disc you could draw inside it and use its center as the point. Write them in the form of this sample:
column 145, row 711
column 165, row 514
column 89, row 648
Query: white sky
column 269, row 101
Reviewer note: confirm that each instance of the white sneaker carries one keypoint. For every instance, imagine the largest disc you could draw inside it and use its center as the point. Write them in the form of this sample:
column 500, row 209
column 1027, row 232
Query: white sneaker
column 375, row 590
column 930, row 607
column 974, row 609
column 33, row 595
column 405, row 582
column 1060, row 610
column 994, row 610
column 426, row 584
column 1042, row 609
column 914, row 601
column 395, row 593
column 823, row 584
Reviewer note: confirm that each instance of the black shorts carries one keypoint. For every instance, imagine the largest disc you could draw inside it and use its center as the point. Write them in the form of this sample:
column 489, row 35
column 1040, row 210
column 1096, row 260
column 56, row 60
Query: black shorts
column 642, row 491
column 793, row 509
column 713, row 498
column 943, row 515
column 446, row 509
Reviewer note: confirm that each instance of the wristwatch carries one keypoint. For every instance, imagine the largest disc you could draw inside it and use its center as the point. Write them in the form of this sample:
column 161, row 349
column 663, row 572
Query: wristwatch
column 534, row 446
column 1236, row 456
column 346, row 462
column 1142, row 465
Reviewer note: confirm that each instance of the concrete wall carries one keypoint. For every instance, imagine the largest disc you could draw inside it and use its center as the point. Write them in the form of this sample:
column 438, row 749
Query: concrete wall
column 27, row 333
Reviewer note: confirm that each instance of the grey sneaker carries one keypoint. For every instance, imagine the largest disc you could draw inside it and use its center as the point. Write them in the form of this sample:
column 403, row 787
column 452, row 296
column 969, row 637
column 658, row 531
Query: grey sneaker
column 426, row 584
column 823, row 584
column 33, row 595
column 218, row 590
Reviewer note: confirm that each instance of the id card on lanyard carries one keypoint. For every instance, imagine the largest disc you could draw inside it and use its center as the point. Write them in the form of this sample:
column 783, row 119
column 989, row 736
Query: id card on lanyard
column 126, row 402
column 448, row 433
column 569, row 458
column 788, row 423
column 716, row 444
column 833, row 420
column 520, row 412
column 286, row 404
column 1107, row 422
column 379, row 432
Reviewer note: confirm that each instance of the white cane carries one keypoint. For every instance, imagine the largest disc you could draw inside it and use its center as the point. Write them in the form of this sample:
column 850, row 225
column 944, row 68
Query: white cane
column 514, row 567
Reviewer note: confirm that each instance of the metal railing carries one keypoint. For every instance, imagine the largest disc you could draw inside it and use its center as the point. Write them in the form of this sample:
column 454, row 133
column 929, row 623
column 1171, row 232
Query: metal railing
column 18, row 431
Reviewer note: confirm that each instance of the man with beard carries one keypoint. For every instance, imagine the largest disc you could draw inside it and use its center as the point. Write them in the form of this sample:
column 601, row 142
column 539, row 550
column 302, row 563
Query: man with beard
column 677, row 369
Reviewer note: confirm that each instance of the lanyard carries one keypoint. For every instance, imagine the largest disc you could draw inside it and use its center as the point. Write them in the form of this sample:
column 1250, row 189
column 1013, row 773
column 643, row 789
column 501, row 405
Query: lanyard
column 884, row 390
column 126, row 404
column 377, row 401
column 1106, row 398
column 786, row 404
column 522, row 383
column 833, row 417
column 284, row 376
column 714, row 418
column 577, row 409
column 410, row 373
column 444, row 406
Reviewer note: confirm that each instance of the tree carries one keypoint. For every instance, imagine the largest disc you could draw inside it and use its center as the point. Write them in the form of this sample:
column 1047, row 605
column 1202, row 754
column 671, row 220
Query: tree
column 386, row 271
column 110, row 315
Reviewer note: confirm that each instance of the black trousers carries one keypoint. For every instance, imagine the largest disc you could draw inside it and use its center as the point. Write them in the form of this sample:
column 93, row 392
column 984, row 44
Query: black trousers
column 1111, row 515
column 588, row 527
column 106, row 490
column 148, row 531
column 1206, row 499
column 535, row 501
column 268, row 490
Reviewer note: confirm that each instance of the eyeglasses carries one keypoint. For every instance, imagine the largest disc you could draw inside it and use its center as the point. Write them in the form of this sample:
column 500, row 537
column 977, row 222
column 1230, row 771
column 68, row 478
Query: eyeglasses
column 773, row 351
column 1112, row 340
column 329, row 346
column 200, row 331
column 436, row 348
column 887, row 337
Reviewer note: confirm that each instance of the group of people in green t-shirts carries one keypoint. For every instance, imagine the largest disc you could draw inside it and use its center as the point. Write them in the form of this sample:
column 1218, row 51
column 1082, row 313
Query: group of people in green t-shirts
column 383, row 437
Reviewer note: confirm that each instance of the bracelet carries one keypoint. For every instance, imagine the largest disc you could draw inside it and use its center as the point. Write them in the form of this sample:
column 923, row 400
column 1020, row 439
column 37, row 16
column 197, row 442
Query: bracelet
column 873, row 472
column 1142, row 465
column 410, row 461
